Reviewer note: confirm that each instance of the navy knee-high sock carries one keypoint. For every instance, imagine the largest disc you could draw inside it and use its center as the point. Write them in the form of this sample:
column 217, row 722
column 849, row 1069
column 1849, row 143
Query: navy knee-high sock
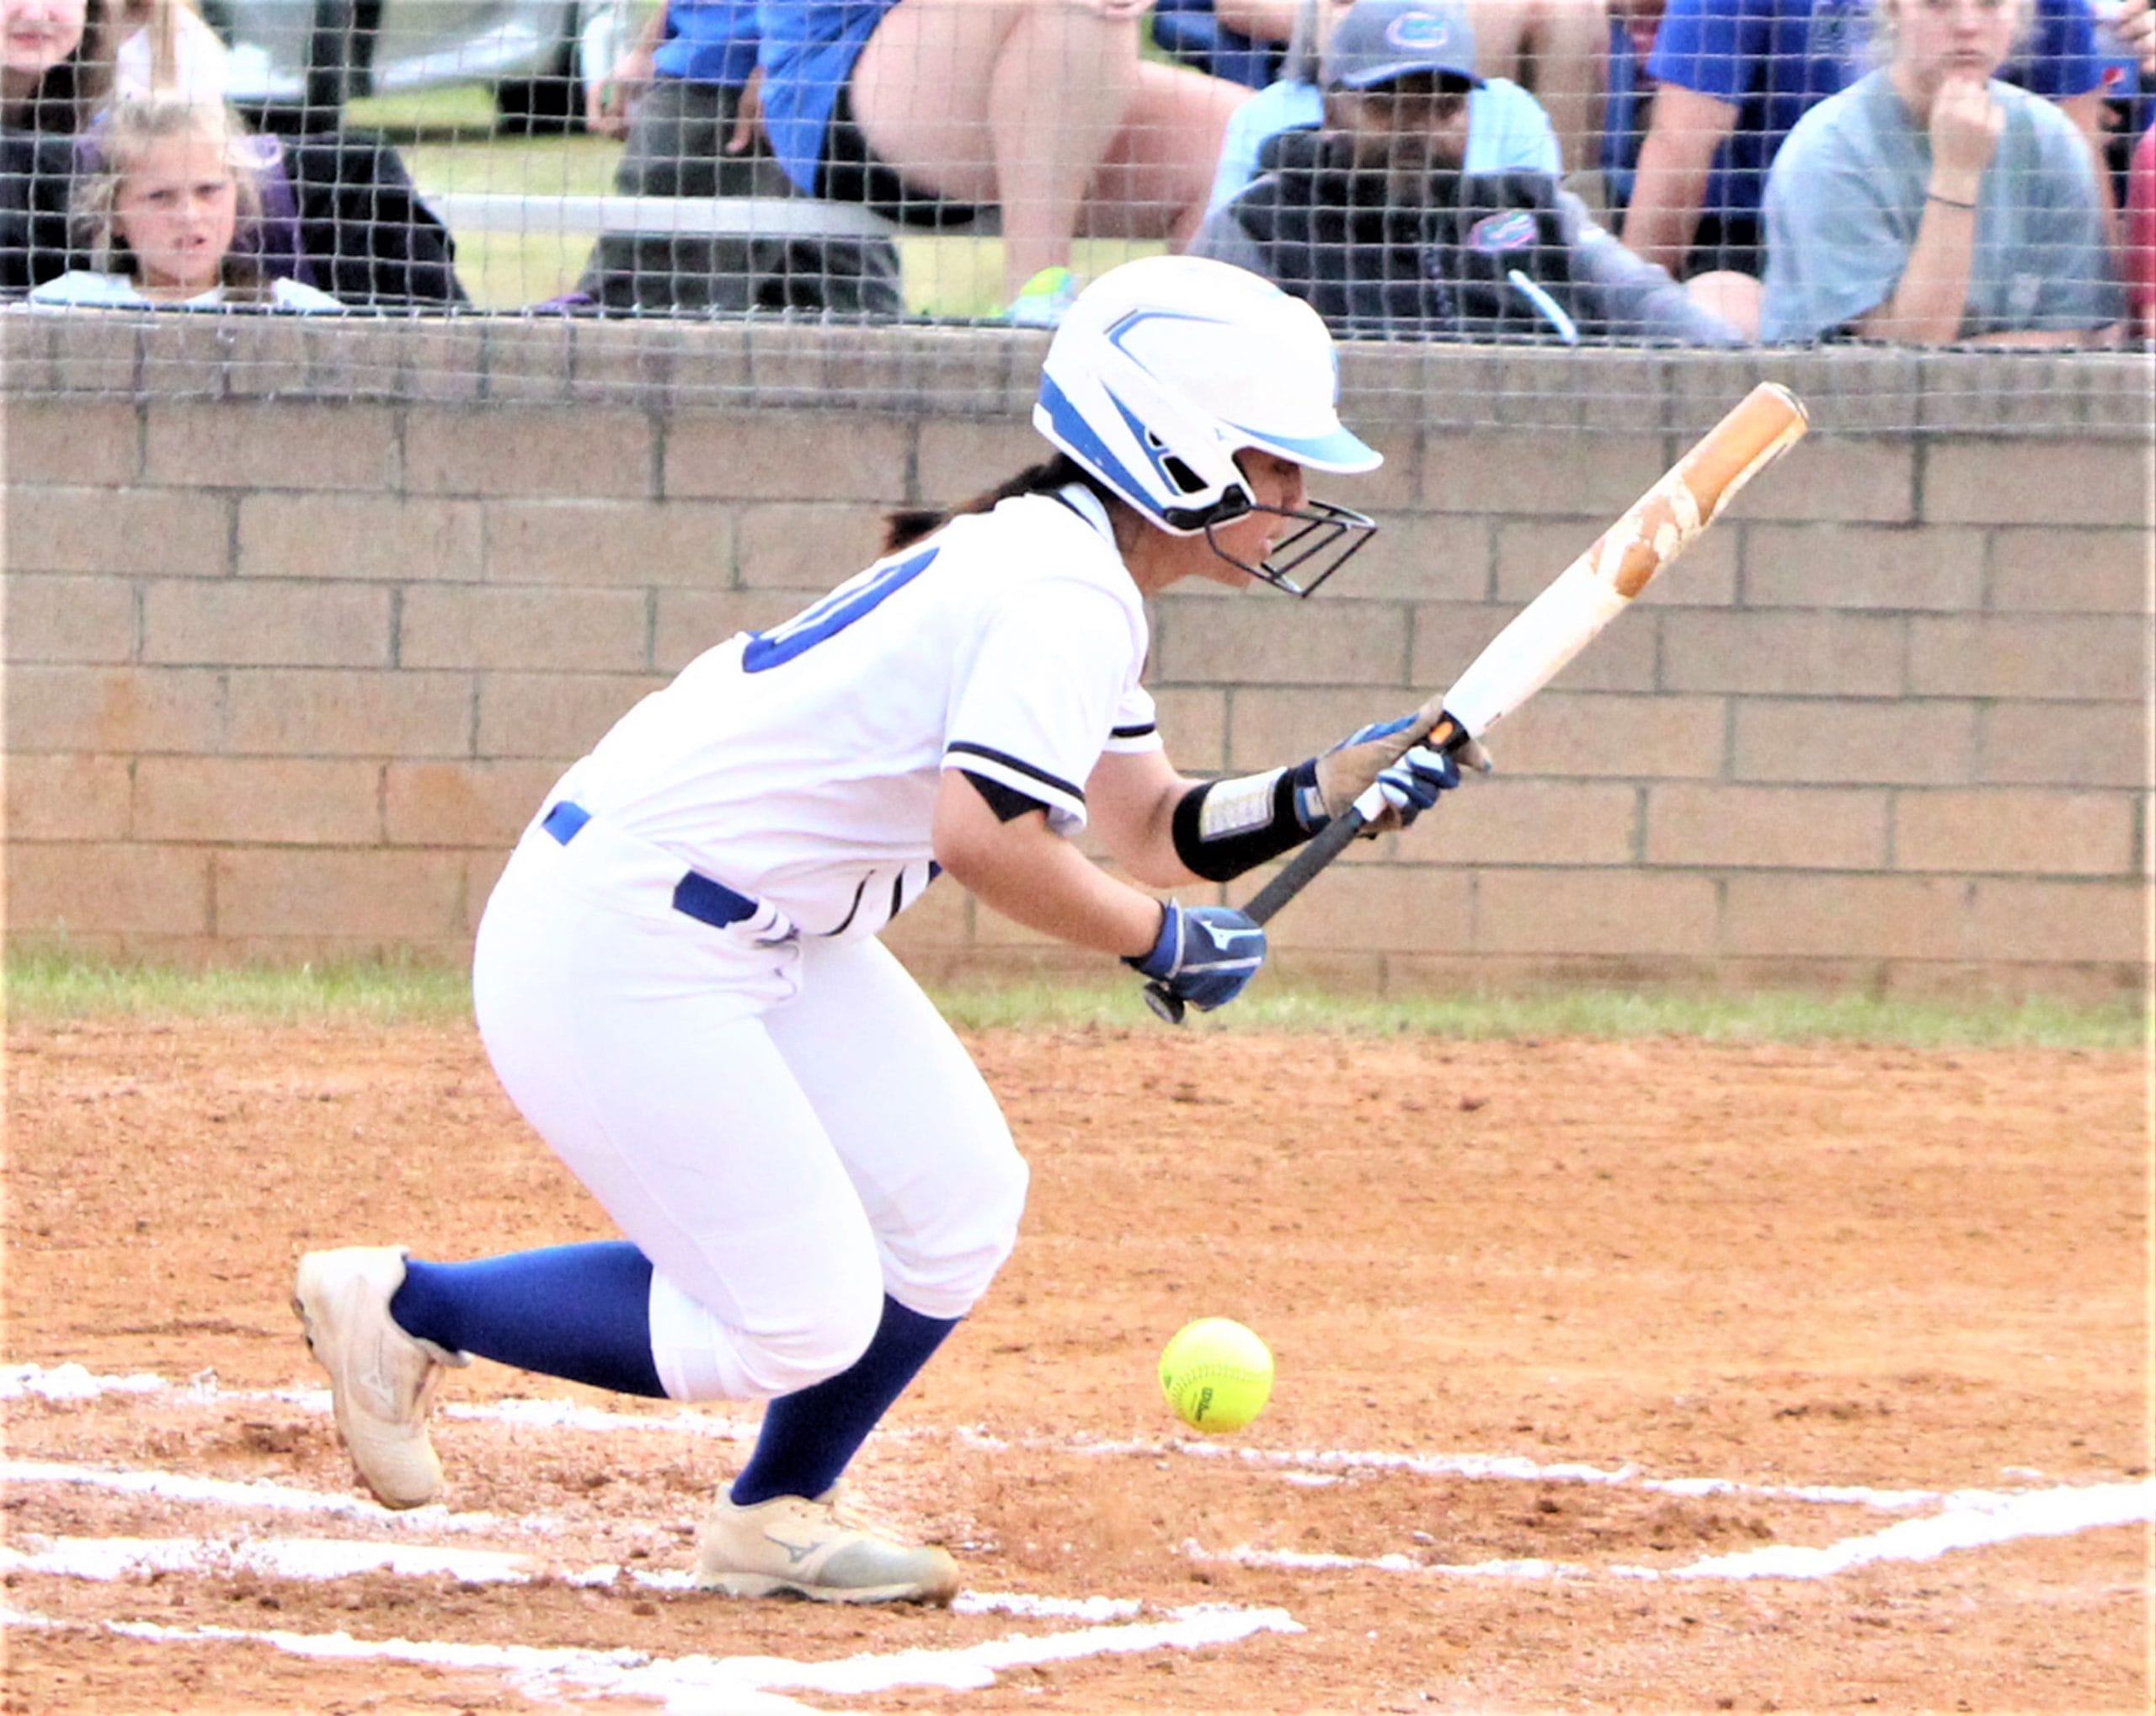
column 807, row 1437
column 582, row 1312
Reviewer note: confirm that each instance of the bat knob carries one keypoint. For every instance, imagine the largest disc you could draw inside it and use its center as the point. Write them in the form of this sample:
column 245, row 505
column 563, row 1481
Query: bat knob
column 1166, row 1005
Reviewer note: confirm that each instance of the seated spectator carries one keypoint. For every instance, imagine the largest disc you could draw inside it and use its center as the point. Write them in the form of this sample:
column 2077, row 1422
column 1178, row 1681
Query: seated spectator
column 2141, row 237
column 166, row 48
column 160, row 214
column 1390, row 41
column 56, row 67
column 925, row 111
column 1369, row 219
column 1931, row 203
column 1245, row 41
column 1732, row 77
column 677, row 94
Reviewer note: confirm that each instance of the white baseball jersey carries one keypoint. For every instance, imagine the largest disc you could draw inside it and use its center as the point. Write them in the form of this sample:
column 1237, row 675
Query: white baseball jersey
column 800, row 766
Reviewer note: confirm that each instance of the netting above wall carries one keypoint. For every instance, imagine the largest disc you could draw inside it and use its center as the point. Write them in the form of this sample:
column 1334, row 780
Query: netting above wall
column 865, row 201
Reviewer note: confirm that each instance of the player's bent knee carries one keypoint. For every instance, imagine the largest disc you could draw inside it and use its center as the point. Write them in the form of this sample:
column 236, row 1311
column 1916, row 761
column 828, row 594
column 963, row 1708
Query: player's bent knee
column 943, row 1272
column 699, row 1358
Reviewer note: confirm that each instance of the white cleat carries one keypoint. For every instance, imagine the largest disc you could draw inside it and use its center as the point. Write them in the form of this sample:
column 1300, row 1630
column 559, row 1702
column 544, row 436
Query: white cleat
column 792, row 1546
column 381, row 1380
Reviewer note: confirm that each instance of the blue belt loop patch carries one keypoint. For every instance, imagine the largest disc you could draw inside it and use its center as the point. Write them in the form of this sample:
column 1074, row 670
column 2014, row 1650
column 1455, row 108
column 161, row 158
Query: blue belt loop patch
column 565, row 820
column 710, row 902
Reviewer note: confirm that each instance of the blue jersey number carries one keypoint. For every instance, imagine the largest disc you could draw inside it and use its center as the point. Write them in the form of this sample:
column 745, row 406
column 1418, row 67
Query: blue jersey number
column 862, row 594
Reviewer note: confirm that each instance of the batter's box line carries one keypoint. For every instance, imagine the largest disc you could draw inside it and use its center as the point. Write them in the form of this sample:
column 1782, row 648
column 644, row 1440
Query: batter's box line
column 735, row 1686
column 1970, row 1519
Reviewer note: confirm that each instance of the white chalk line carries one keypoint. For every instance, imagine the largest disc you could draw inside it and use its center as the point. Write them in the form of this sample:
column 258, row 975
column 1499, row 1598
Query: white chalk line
column 708, row 1685
column 73, row 1383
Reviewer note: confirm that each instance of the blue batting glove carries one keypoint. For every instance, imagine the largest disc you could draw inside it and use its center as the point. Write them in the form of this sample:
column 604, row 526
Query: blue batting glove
column 1205, row 955
column 1412, row 785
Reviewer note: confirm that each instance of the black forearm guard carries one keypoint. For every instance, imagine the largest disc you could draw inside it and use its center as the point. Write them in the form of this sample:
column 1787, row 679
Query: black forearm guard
column 1226, row 827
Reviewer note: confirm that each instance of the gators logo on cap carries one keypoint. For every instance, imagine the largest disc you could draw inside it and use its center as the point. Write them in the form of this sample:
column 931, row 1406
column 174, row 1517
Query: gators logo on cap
column 1495, row 234
column 1419, row 32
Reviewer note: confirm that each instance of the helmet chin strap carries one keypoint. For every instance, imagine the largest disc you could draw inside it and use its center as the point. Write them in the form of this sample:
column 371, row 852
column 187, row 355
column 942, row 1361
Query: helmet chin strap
column 1337, row 532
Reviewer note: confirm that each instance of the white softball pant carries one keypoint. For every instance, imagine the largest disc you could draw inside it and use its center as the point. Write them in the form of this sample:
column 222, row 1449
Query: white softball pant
column 787, row 1129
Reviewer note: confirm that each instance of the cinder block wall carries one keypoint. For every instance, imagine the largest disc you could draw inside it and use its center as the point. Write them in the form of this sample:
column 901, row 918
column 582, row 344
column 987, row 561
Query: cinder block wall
column 286, row 672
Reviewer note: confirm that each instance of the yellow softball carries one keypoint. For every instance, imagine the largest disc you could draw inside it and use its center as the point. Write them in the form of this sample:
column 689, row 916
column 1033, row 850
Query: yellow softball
column 1217, row 1374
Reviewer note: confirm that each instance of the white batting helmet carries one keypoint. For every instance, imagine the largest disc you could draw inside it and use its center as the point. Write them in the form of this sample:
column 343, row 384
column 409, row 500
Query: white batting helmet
column 1164, row 369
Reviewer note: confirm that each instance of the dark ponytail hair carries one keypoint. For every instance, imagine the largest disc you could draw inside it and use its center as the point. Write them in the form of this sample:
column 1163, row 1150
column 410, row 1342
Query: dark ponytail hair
column 902, row 529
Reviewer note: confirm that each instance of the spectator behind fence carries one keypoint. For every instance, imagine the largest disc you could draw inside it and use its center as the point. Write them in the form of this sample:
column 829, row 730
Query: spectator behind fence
column 56, row 66
column 677, row 95
column 1245, row 41
column 160, row 214
column 924, row 111
column 166, row 48
column 1389, row 41
column 2141, row 236
column 338, row 211
column 1369, row 219
column 1931, row 203
column 1731, row 77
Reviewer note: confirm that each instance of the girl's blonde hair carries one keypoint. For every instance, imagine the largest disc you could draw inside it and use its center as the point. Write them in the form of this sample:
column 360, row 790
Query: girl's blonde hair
column 126, row 132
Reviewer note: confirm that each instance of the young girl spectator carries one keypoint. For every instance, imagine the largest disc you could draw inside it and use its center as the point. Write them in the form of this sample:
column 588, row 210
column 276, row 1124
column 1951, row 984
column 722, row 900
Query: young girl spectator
column 1929, row 203
column 160, row 214
column 1043, row 107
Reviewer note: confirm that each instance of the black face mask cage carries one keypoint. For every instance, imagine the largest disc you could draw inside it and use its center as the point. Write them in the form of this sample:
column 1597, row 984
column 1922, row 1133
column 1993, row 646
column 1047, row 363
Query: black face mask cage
column 1336, row 530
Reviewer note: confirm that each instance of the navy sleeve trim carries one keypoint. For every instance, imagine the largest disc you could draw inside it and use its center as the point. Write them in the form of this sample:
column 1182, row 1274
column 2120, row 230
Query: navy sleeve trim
column 1008, row 803
column 1132, row 731
column 1017, row 765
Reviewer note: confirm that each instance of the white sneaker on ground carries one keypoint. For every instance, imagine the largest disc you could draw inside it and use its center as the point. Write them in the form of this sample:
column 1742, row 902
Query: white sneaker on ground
column 791, row 1545
column 381, row 1380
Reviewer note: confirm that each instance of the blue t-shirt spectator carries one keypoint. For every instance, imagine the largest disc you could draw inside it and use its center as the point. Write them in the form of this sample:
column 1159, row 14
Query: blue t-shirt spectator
column 708, row 41
column 1190, row 31
column 1506, row 130
column 807, row 53
column 1774, row 60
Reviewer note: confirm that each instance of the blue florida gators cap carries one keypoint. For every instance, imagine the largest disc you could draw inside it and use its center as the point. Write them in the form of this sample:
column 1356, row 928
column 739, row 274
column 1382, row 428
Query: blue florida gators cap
column 1381, row 41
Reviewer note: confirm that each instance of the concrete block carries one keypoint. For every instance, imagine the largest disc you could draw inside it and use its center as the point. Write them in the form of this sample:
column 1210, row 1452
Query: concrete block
column 2061, row 744
column 1530, row 554
column 528, row 361
column 2072, row 571
column 67, row 795
column 93, row 355
column 629, row 543
column 278, row 711
column 1421, row 558
column 26, row 360
column 1826, row 480
column 464, row 803
column 108, row 888
column 261, row 623
column 2066, row 659
column 1854, row 917
column 90, row 443
column 1613, row 737
column 120, row 710
column 259, row 445
column 445, row 367
column 1448, row 635
column 689, row 622
column 1530, row 822
column 794, row 456
column 2000, row 480
column 1999, row 831
column 1377, row 909
column 1576, row 914
column 960, row 458
column 1885, row 568
column 166, row 533
column 1268, row 725
column 1193, row 722
column 558, row 716
column 283, row 801
column 467, row 626
column 806, row 548
column 1284, row 642
column 1564, row 476
column 1800, row 654
column 357, row 536
column 1774, row 828
column 2080, row 921
column 271, row 356
column 399, row 896
column 1914, row 741
column 507, row 451
column 68, row 618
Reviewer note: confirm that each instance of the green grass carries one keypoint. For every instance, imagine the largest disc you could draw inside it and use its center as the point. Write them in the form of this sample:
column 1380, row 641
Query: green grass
column 52, row 988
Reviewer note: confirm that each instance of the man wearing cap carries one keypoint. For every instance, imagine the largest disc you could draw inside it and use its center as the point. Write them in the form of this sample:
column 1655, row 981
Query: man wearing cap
column 1377, row 44
column 1386, row 219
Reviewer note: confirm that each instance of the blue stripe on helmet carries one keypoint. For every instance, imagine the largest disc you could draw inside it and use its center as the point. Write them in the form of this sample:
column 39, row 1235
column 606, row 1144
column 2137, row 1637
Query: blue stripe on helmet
column 1075, row 436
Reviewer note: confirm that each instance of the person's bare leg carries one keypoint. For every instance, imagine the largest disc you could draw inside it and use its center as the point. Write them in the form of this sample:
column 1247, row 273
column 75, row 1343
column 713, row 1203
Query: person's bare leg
column 1014, row 102
column 1158, row 172
column 1570, row 39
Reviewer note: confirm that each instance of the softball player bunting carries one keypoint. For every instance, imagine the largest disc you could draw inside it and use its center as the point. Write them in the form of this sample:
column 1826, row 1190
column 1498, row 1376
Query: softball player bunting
column 678, row 978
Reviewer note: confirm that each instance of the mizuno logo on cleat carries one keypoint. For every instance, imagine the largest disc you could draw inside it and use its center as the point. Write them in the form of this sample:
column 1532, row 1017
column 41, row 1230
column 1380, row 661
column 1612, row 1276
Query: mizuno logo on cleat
column 796, row 1554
